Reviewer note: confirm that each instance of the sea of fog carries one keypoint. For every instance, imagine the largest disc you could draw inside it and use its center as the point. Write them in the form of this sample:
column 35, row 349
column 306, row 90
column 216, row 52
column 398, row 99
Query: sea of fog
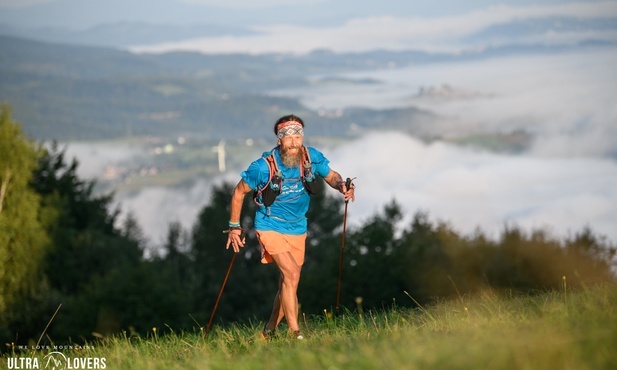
column 565, row 181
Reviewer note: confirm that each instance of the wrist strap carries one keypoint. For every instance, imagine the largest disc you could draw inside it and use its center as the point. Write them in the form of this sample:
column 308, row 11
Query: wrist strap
column 242, row 231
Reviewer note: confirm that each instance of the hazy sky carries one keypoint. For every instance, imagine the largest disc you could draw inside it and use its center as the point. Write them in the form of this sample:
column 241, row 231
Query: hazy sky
column 76, row 14
column 86, row 13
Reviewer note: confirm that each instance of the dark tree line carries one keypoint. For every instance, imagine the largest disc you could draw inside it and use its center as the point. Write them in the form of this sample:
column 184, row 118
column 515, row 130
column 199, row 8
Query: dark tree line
column 79, row 259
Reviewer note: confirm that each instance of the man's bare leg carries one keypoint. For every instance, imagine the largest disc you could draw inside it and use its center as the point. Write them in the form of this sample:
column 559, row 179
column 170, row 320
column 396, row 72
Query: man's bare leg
column 287, row 296
column 277, row 310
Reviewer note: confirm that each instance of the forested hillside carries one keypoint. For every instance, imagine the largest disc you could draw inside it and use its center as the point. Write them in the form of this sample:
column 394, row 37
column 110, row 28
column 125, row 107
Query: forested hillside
column 63, row 92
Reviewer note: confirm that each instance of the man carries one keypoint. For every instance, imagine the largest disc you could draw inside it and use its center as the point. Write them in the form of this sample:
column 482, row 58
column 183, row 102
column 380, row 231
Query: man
column 281, row 182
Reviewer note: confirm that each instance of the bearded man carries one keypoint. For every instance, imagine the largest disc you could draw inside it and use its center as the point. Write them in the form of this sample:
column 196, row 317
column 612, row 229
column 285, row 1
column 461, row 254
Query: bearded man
column 281, row 181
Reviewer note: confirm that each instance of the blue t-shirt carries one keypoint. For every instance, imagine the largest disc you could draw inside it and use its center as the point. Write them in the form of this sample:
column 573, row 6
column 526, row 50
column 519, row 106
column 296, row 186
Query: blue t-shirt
column 287, row 214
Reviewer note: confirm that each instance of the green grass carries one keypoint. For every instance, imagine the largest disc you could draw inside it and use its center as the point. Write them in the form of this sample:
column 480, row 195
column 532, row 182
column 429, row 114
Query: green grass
column 551, row 330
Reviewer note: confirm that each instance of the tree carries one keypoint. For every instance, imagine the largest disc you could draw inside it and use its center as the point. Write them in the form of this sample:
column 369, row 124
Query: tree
column 589, row 257
column 426, row 262
column 373, row 269
column 86, row 246
column 23, row 240
column 85, row 230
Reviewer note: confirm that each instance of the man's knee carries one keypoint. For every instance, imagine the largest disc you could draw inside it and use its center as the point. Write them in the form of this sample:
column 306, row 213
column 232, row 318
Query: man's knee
column 291, row 277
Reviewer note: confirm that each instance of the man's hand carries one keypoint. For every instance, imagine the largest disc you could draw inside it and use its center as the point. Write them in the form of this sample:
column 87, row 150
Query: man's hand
column 236, row 238
column 347, row 188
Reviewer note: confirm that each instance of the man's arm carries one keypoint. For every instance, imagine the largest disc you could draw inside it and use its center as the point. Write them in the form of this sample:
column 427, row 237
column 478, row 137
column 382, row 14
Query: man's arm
column 237, row 199
column 335, row 181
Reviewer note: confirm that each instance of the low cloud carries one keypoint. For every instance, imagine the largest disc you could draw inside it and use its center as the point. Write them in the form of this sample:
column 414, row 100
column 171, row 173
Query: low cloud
column 443, row 33
column 470, row 188
column 156, row 207
column 94, row 158
column 465, row 187
column 565, row 100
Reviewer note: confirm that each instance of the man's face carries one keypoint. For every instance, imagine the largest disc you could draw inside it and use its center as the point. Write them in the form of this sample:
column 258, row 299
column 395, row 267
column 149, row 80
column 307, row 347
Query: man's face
column 291, row 152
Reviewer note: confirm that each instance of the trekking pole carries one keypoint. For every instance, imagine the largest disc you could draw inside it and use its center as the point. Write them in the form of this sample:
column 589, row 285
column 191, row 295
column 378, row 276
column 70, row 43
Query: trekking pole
column 340, row 266
column 233, row 258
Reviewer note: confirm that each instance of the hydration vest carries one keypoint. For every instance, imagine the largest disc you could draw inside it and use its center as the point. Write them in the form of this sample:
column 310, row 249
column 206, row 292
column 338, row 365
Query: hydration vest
column 272, row 188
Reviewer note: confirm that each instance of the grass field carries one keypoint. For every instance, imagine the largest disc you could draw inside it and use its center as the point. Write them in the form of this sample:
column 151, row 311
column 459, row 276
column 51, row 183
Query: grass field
column 548, row 330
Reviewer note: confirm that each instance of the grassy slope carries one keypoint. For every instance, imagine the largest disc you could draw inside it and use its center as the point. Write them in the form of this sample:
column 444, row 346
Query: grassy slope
column 554, row 330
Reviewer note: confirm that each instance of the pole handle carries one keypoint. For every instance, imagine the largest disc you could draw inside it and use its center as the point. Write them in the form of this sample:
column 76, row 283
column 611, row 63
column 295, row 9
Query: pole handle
column 348, row 184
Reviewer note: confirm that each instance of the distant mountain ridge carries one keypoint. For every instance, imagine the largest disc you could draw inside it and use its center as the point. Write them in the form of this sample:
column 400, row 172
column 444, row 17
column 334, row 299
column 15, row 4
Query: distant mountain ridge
column 123, row 34
column 127, row 34
column 69, row 92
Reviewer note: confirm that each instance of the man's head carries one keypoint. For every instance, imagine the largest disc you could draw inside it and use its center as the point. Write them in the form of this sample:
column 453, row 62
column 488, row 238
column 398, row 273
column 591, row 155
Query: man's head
column 290, row 132
column 285, row 122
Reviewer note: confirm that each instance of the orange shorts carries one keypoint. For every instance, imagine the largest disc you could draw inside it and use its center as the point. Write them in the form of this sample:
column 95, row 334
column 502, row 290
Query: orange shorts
column 273, row 242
